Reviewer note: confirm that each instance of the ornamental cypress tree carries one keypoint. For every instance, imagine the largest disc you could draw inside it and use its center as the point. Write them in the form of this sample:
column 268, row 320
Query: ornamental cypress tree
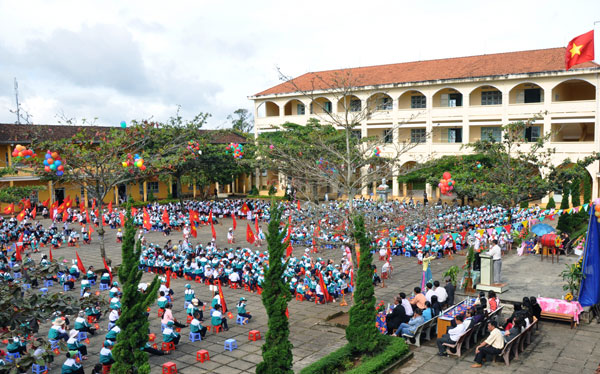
column 129, row 358
column 551, row 203
column 563, row 220
column 277, row 350
column 587, row 189
column 362, row 334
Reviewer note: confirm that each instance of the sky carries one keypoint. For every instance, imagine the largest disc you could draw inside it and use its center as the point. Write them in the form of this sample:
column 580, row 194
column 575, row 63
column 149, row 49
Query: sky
column 124, row 60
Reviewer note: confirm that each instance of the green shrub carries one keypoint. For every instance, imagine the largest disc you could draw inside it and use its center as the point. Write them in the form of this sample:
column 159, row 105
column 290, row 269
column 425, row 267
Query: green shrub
column 272, row 190
column 551, row 204
column 373, row 365
column 331, row 363
column 253, row 191
column 524, row 204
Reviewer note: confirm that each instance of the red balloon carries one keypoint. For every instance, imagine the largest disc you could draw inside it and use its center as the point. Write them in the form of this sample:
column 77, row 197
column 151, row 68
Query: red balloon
column 15, row 153
column 60, row 167
column 47, row 168
column 447, row 175
column 143, row 167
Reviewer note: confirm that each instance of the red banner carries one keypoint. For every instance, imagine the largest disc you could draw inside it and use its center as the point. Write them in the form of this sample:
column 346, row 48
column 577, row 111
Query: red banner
column 80, row 263
column 222, row 297
column 249, row 234
column 234, row 221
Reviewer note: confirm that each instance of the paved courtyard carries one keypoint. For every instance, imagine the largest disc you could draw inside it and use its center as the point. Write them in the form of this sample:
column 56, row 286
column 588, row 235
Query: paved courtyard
column 555, row 348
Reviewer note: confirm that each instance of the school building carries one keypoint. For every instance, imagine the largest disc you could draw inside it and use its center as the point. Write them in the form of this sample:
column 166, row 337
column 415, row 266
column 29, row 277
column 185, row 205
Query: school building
column 441, row 105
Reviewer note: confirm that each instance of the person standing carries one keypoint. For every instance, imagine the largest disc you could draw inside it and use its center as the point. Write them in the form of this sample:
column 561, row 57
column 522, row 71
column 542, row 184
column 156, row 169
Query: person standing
column 491, row 347
column 496, row 254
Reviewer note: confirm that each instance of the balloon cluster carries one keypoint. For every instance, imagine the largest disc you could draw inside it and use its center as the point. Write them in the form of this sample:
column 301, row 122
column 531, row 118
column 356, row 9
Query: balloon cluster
column 324, row 165
column 597, row 212
column 376, row 152
column 237, row 149
column 53, row 162
column 194, row 148
column 134, row 160
column 20, row 152
column 446, row 183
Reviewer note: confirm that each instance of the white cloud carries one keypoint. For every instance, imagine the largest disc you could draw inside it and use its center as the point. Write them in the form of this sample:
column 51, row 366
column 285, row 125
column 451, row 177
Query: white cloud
column 134, row 59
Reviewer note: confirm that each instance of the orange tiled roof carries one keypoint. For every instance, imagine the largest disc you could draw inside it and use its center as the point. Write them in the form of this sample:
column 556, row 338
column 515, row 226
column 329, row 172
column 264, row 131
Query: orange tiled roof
column 535, row 61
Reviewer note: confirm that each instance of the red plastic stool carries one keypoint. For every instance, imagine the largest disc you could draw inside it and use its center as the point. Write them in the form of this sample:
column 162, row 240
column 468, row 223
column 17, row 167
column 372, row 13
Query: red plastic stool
column 169, row 368
column 217, row 329
column 299, row 297
column 202, row 355
column 151, row 338
column 168, row 346
column 106, row 369
column 254, row 335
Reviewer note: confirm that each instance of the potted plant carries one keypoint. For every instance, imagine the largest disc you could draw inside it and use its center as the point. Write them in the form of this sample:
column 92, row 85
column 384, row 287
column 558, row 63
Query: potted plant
column 452, row 273
column 572, row 276
column 470, row 258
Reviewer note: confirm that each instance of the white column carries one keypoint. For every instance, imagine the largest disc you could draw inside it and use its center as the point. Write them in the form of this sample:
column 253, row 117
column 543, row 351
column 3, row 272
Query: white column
column 395, row 185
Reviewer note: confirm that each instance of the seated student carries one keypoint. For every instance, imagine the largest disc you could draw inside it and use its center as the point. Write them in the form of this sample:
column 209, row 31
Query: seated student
column 195, row 307
column 93, row 311
column 91, row 276
column 419, row 299
column 491, row 347
column 71, row 366
column 376, row 278
column 514, row 331
column 112, row 333
column 105, row 278
column 452, row 335
column 493, row 301
column 396, row 316
column 536, row 309
column 57, row 331
column 189, row 293
column 74, row 345
column 241, row 309
column 162, row 300
column 217, row 318
column 168, row 316
column 114, row 290
column 81, row 323
column 428, row 312
column 16, row 345
column 106, row 357
column 412, row 325
column 196, row 325
column 169, row 335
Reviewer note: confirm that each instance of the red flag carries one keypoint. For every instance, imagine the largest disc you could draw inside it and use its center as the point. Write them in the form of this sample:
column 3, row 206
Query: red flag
column 146, row 220
column 93, row 204
column 222, row 297
column 289, row 250
column 287, row 313
column 122, row 218
column 107, row 269
column 298, row 205
column 9, row 209
column 289, row 235
column 68, row 202
column 81, row 205
column 165, row 218
column 133, row 211
column 21, row 215
column 245, row 209
column 26, row 204
column 234, row 221
column 210, row 217
column 80, row 263
column 357, row 257
column 87, row 216
column 580, row 50
column 64, row 216
column 168, row 283
column 91, row 230
column 61, row 207
column 110, row 208
column 34, row 212
column 45, row 203
column 51, row 258
column 194, row 217
column 249, row 234
column 323, row 288
column 290, row 219
column 194, row 231
column 212, row 229
column 389, row 249
column 256, row 225
column 18, row 253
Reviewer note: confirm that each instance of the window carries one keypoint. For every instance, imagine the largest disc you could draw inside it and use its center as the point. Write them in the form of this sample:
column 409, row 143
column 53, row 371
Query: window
column 451, row 100
column 264, row 173
column 491, row 98
column 388, row 136
column 357, row 134
column 417, row 135
column 6, row 154
column 355, row 105
column 533, row 95
column 417, row 102
column 532, row 133
column 151, row 188
column 327, row 107
column 384, row 103
column 300, row 109
column 452, row 135
column 493, row 134
column 82, row 192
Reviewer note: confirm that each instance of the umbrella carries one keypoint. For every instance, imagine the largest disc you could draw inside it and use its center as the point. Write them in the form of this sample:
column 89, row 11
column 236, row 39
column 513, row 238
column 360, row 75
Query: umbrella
column 542, row 229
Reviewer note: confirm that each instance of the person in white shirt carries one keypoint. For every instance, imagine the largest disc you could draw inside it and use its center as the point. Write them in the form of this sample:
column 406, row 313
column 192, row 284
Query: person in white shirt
column 452, row 335
column 429, row 292
column 496, row 254
column 440, row 292
column 406, row 304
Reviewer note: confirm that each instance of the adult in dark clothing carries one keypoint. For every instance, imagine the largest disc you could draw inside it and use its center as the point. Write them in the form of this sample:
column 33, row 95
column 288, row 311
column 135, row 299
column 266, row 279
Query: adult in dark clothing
column 436, row 308
column 535, row 307
column 396, row 317
column 450, row 289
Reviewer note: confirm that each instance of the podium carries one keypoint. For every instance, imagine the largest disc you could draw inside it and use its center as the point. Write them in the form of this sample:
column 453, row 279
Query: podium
column 487, row 276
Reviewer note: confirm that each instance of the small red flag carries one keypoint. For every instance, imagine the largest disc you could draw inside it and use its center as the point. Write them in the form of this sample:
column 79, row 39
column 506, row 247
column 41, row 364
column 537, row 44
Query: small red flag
column 93, row 204
column 357, row 257
column 34, row 212
column 298, row 204
column 107, row 269
column 168, row 283
column 122, row 219
column 9, row 209
column 289, row 250
column 193, row 231
column 110, row 208
column 51, row 258
column 210, row 217
column 64, row 216
column 256, row 225
column 287, row 312
column 133, row 211
column 26, row 204
column 45, row 203
column 249, row 234
column 222, row 297
column 323, row 287
column 244, row 209
column 580, row 50
column 87, row 216
column 91, row 230
column 234, row 221
column 165, row 217
column 146, row 220
column 80, row 263
column 21, row 215
column 212, row 229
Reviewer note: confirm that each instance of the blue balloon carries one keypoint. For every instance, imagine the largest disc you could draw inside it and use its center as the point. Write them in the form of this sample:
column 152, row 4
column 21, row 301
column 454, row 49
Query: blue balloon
column 58, row 162
column 123, row 124
column 48, row 155
column 46, row 162
column 53, row 167
column 59, row 173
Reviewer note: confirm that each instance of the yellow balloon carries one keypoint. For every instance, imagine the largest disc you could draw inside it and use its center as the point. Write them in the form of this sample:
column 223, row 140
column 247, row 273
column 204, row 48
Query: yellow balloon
column 124, row 164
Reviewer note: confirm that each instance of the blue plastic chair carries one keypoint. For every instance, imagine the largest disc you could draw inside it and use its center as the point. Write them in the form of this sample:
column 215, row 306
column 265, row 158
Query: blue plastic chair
column 407, row 254
column 38, row 369
column 230, row 344
column 10, row 357
column 239, row 320
column 195, row 337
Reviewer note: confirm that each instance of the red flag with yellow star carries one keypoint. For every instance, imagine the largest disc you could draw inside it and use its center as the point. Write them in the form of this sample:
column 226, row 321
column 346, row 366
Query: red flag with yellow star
column 580, row 50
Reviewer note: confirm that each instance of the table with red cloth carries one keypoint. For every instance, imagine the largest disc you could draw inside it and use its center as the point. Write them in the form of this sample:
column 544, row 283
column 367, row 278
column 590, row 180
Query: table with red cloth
column 380, row 323
column 572, row 308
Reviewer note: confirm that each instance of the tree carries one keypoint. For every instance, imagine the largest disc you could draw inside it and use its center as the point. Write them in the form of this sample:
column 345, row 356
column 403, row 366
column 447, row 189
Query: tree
column 361, row 333
column 14, row 194
column 563, row 224
column 133, row 321
column 551, row 204
column 242, row 120
column 277, row 350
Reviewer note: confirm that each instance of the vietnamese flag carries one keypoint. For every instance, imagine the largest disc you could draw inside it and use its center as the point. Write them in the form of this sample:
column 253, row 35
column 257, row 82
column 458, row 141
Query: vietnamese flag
column 45, row 203
column 168, row 282
column 133, row 211
column 244, row 209
column 61, row 207
column 93, row 204
column 87, row 216
column 289, row 250
column 21, row 215
column 222, row 297
column 110, row 208
column 194, row 217
column 80, row 263
column 10, row 209
column 34, row 212
column 194, row 231
column 234, row 221
column 249, row 234
column 81, row 205
column 122, row 218
column 212, row 229
column 146, row 220
column 298, row 205
column 210, row 217
column 68, row 203
column 107, row 269
column 580, row 50
column 165, row 218
column 51, row 258
column 323, row 287
column 26, row 204
column 256, row 224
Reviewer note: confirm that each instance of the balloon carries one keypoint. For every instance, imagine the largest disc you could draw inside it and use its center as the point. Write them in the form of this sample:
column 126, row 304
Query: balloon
column 271, row 146
column 48, row 155
column 124, row 163
column 46, row 162
column 54, row 155
column 60, row 168
column 59, row 173
column 52, row 167
column 143, row 167
column 50, row 161
column 123, row 124
column 58, row 162
column 450, row 183
column 446, row 175
column 597, row 207
column 15, row 153
column 46, row 168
